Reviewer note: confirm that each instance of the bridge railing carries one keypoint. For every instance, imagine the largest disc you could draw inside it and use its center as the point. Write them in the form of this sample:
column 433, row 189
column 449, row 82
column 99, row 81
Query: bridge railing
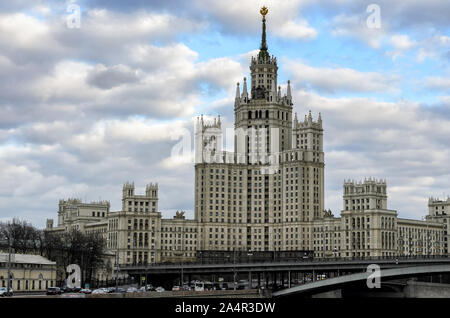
column 393, row 259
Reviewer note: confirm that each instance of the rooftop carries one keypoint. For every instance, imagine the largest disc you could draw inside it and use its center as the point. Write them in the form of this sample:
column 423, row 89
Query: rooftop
column 26, row 259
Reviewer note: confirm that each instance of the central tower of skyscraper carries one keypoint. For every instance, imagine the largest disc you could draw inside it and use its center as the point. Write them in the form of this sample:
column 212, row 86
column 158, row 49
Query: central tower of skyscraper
column 265, row 114
column 268, row 193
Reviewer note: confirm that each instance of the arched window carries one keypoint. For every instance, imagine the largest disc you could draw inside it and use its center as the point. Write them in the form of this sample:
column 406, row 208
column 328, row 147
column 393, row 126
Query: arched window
column 249, row 114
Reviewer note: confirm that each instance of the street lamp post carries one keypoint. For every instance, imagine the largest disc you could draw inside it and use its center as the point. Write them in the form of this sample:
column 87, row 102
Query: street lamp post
column 146, row 275
column 117, row 269
column 249, row 254
column 182, row 280
column 9, row 266
column 427, row 252
column 234, row 268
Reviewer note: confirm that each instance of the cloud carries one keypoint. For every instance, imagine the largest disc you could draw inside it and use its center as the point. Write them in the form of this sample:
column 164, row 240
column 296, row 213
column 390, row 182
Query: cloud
column 83, row 110
column 155, row 80
column 403, row 141
column 107, row 78
column 401, row 44
column 338, row 79
column 355, row 26
column 283, row 20
column 438, row 83
column 296, row 30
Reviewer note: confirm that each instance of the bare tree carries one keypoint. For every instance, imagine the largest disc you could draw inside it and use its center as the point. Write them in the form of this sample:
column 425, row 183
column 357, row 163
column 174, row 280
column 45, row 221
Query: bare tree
column 23, row 237
column 74, row 247
column 86, row 250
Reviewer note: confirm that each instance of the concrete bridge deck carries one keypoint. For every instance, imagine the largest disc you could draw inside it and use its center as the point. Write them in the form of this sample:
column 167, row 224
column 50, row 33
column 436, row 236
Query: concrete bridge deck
column 342, row 281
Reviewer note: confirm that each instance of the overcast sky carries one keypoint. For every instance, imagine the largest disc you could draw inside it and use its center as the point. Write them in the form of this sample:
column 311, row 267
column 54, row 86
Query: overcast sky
column 83, row 110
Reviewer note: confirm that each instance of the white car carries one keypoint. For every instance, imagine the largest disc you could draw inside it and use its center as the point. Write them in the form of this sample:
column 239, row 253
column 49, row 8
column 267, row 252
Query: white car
column 98, row 291
column 142, row 289
column 132, row 290
column 4, row 292
column 160, row 289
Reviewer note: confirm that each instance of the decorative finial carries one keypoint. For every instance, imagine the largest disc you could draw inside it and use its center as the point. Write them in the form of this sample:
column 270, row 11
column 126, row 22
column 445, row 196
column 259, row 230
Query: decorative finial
column 264, row 11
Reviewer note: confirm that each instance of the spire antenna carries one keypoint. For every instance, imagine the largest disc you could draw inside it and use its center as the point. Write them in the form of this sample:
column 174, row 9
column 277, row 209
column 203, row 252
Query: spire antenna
column 263, row 49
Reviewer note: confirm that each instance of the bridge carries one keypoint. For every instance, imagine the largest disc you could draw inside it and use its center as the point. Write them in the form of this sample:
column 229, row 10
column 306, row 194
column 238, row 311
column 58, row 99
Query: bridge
column 343, row 281
column 282, row 273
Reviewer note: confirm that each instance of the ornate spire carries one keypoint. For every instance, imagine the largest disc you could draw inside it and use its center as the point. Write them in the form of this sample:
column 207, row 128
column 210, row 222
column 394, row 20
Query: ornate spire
column 244, row 90
column 289, row 95
column 263, row 53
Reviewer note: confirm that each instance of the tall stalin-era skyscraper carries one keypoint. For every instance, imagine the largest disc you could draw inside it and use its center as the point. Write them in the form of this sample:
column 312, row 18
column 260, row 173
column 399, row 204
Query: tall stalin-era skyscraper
column 266, row 195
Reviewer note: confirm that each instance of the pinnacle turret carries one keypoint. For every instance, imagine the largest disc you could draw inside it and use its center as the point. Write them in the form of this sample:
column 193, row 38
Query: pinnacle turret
column 244, row 90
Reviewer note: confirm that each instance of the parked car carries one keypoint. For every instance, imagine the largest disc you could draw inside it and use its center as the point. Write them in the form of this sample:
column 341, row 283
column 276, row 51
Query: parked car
column 4, row 292
column 176, row 288
column 121, row 290
column 86, row 291
column 53, row 291
column 98, row 291
column 160, row 289
column 149, row 288
column 186, row 287
column 66, row 289
column 132, row 290
column 111, row 289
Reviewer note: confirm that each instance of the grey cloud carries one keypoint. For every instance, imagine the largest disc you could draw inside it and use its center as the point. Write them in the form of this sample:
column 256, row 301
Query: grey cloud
column 107, row 78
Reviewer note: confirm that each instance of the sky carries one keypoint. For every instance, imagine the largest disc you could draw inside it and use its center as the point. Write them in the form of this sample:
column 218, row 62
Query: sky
column 95, row 93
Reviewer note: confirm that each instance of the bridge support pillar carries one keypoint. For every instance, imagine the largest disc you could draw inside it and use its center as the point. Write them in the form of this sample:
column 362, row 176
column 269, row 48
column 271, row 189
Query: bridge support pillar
column 249, row 280
column 259, row 280
column 289, row 279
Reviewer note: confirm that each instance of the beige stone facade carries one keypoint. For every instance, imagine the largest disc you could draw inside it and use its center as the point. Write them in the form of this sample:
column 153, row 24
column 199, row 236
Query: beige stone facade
column 28, row 272
column 439, row 211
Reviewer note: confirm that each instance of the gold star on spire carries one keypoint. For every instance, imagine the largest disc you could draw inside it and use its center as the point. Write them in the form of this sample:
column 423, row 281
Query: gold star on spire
column 264, row 11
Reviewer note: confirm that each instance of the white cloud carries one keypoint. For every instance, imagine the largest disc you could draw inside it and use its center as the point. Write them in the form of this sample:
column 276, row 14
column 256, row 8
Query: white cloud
column 340, row 79
column 84, row 110
column 355, row 26
column 296, row 30
column 401, row 44
column 438, row 82
column 283, row 19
